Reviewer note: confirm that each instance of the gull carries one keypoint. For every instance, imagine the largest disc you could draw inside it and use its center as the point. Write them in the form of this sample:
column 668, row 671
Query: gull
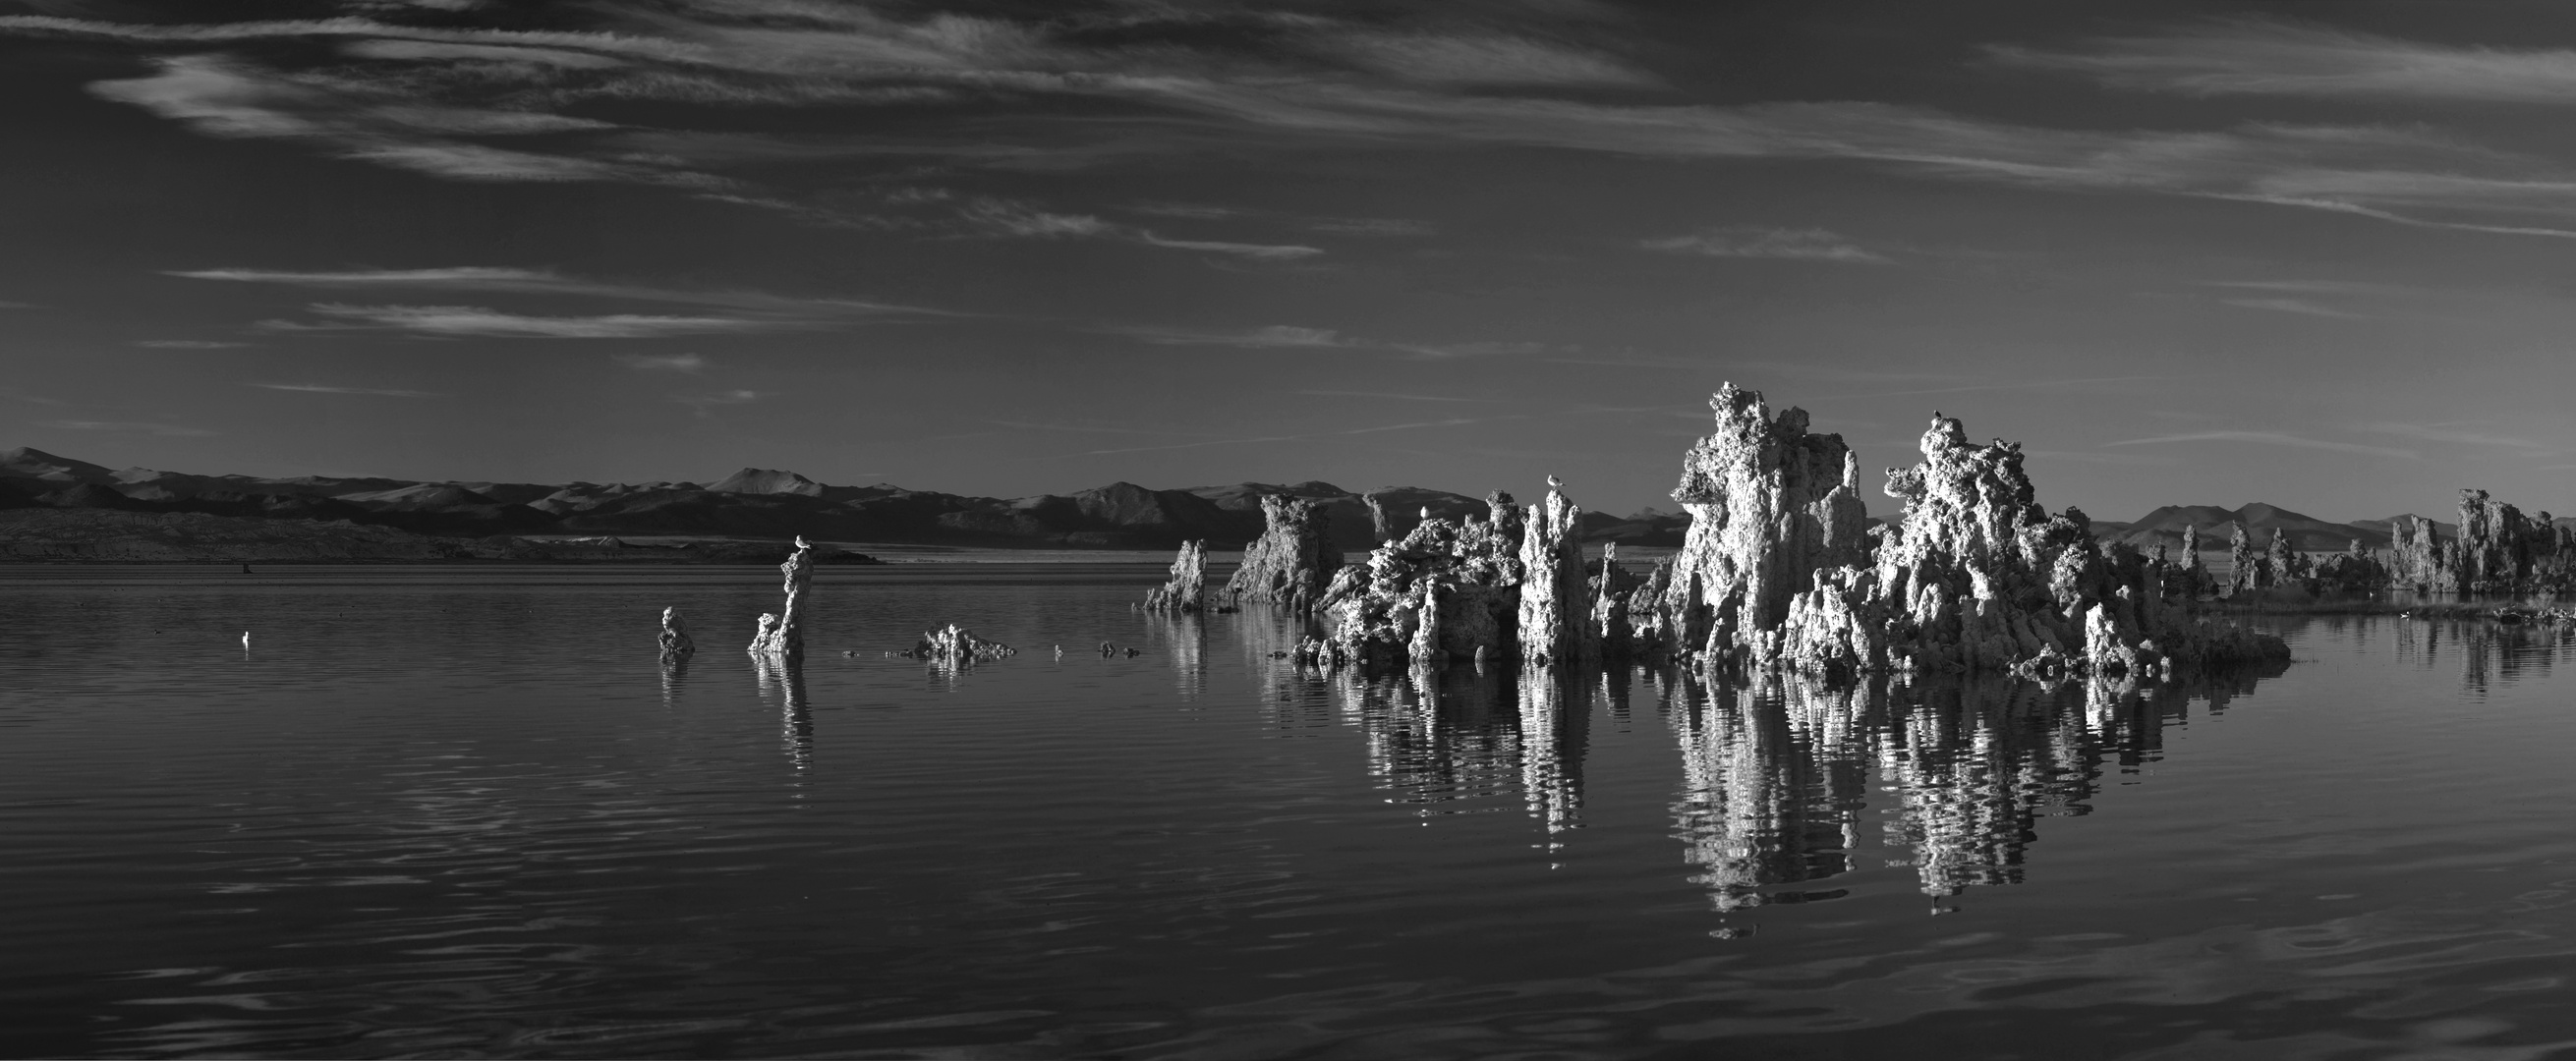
column 245, row 640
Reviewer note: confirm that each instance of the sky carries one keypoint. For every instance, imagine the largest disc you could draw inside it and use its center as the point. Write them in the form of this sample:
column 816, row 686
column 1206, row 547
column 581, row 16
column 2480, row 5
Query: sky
column 2321, row 256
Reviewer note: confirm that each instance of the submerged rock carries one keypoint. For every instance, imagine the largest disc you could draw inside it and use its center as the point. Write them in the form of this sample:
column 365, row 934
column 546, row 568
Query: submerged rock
column 783, row 634
column 675, row 636
column 1294, row 560
column 1186, row 590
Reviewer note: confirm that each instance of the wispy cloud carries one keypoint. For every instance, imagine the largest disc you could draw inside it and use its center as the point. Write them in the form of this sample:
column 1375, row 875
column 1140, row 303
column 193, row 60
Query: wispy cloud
column 688, row 364
column 1270, row 337
column 187, row 344
column 2452, row 433
column 1487, row 348
column 165, row 430
column 2257, row 57
column 701, row 403
column 505, row 279
column 2270, row 438
column 1794, row 244
column 1233, row 80
column 2084, row 383
column 1389, row 396
column 319, row 388
column 2291, row 305
column 17, row 305
column 1378, row 429
column 480, row 322
column 998, row 217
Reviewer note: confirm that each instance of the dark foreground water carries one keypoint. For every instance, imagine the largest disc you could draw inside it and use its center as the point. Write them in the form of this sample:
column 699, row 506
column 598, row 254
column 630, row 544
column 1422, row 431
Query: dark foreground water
column 451, row 813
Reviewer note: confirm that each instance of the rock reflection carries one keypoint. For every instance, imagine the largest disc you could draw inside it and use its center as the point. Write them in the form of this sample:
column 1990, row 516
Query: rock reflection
column 1459, row 740
column 1778, row 775
column 782, row 680
column 2490, row 654
column 1181, row 638
column 675, row 673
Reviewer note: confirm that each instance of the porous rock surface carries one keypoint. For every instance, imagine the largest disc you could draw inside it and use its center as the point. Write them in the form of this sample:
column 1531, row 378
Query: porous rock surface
column 675, row 635
column 1555, row 604
column 1186, row 590
column 2499, row 550
column 1770, row 505
column 956, row 644
column 783, row 634
column 1976, row 577
column 1445, row 591
column 1293, row 561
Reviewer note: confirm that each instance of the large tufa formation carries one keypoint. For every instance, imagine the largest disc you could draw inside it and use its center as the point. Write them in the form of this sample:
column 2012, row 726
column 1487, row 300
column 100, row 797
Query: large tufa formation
column 675, row 641
column 1977, row 577
column 784, row 634
column 1293, row 561
column 1770, row 504
column 1556, row 600
column 1186, row 591
column 1444, row 591
column 2499, row 550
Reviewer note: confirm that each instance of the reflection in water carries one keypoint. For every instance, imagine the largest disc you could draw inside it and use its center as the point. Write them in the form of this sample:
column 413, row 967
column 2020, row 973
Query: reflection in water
column 675, row 673
column 1459, row 740
column 2491, row 655
column 1777, row 775
column 1182, row 638
column 783, row 680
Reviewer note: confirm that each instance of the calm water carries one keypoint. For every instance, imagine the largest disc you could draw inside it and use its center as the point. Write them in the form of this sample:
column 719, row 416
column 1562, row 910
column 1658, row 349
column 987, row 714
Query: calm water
column 464, row 812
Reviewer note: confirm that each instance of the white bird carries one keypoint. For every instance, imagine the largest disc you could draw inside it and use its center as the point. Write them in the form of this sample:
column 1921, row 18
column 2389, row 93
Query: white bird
column 245, row 640
column 800, row 542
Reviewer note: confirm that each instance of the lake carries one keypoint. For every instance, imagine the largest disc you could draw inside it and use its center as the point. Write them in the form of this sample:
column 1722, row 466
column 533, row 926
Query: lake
column 456, row 812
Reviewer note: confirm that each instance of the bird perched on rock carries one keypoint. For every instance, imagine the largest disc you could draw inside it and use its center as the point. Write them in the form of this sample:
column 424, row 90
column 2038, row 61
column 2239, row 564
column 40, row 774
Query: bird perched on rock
column 1553, row 482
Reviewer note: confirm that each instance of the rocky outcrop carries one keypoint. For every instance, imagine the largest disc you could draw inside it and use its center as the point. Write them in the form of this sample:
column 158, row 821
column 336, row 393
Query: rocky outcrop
column 1186, row 590
column 1770, row 505
column 1555, row 600
column 783, row 634
column 1448, row 590
column 955, row 644
column 1293, row 561
column 2499, row 550
column 1976, row 577
column 675, row 636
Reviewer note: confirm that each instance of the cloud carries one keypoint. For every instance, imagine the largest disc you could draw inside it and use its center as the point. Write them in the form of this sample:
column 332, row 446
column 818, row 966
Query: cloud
column 1489, row 348
column 545, row 282
column 1273, row 336
column 2270, row 438
column 17, row 305
column 187, row 344
column 1082, row 87
column 689, row 364
column 2450, row 434
column 165, row 430
column 317, row 388
column 700, row 403
column 1394, row 397
column 998, row 217
column 2291, row 305
column 2256, row 57
column 1484, row 61
column 1808, row 244
column 479, row 322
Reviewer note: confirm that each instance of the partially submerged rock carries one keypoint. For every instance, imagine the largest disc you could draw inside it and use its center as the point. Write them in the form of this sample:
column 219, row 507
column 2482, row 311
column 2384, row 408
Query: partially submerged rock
column 783, row 634
column 675, row 635
column 956, row 644
column 1976, row 577
column 1771, row 504
column 1186, row 590
column 1555, row 604
column 1446, row 591
column 1293, row 561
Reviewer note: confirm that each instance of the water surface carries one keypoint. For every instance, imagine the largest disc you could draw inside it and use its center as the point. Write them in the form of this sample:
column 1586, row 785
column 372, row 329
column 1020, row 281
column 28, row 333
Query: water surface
column 464, row 811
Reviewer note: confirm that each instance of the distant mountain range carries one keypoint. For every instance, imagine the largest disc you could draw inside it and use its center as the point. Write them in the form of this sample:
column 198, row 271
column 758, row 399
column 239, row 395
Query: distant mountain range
column 771, row 504
column 756, row 503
